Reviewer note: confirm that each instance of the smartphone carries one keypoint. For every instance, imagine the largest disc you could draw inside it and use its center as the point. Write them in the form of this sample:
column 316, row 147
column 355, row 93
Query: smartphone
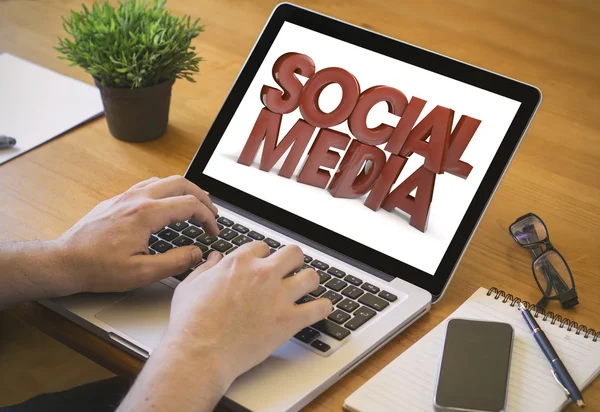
column 475, row 366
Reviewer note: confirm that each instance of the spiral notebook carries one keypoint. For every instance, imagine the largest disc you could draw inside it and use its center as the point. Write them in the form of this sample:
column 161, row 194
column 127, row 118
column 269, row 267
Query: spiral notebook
column 408, row 382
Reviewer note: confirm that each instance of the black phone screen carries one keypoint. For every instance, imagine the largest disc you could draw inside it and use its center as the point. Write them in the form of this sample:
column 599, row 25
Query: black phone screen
column 475, row 365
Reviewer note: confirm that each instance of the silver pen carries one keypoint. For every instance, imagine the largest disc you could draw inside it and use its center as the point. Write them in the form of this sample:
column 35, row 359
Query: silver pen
column 7, row 142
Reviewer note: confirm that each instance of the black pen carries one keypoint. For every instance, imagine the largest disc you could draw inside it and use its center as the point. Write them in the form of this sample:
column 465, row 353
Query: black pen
column 560, row 372
column 7, row 142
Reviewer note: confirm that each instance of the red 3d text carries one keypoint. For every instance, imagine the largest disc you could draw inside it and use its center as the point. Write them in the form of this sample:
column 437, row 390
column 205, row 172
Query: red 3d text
column 442, row 152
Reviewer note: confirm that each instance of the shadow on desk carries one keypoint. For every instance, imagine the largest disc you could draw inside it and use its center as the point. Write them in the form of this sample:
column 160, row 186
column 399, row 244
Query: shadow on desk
column 34, row 363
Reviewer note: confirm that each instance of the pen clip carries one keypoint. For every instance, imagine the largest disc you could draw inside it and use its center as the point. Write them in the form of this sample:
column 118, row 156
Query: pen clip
column 560, row 383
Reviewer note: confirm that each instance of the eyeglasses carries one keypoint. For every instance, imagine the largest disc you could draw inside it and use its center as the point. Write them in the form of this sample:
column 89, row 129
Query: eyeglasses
column 550, row 269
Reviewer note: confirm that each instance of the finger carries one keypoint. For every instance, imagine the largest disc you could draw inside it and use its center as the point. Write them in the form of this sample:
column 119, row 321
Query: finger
column 259, row 249
column 288, row 259
column 144, row 183
column 214, row 258
column 310, row 313
column 302, row 283
column 179, row 186
column 151, row 268
column 180, row 208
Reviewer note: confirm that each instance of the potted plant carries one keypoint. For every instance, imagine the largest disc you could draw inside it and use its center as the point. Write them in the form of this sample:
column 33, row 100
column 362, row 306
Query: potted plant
column 134, row 52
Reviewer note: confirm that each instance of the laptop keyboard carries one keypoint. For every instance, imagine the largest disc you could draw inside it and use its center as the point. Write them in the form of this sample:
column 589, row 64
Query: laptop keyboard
column 355, row 302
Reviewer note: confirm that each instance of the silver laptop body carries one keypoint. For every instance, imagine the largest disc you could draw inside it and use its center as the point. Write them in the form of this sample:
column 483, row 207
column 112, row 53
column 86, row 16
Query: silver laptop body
column 295, row 373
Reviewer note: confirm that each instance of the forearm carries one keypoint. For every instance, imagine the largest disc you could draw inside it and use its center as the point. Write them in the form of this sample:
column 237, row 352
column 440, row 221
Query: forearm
column 33, row 270
column 171, row 381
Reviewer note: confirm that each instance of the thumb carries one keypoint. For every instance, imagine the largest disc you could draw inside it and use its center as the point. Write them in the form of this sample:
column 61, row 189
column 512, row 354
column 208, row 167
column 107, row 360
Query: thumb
column 213, row 259
column 171, row 263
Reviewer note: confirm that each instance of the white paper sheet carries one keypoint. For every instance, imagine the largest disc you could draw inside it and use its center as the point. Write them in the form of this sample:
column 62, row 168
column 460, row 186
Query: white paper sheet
column 37, row 104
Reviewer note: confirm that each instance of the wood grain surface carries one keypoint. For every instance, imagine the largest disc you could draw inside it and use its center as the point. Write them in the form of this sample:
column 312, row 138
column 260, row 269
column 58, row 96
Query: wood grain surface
column 554, row 45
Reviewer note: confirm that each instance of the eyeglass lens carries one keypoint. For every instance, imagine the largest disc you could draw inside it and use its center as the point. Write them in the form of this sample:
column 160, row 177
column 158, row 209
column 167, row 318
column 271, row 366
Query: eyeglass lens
column 529, row 230
column 552, row 274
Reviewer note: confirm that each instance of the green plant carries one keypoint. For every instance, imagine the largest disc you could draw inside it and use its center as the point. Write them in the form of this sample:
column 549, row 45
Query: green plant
column 138, row 44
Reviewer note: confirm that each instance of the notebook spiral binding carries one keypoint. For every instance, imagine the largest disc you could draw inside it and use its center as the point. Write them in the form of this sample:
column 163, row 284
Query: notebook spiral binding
column 539, row 311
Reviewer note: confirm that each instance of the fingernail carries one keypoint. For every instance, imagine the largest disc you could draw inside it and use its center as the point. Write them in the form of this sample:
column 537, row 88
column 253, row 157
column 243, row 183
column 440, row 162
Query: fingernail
column 196, row 254
column 213, row 256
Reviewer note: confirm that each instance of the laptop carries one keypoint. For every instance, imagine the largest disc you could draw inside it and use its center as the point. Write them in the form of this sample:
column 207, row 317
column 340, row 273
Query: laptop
column 378, row 158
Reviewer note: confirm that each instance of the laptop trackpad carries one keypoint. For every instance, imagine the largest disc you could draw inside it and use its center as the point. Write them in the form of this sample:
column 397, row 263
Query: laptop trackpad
column 142, row 314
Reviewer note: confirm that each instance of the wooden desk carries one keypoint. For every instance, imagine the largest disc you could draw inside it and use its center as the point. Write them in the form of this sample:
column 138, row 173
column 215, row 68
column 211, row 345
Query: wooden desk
column 554, row 45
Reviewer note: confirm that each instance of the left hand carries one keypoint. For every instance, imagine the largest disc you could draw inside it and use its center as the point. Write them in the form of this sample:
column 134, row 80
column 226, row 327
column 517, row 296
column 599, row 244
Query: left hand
column 107, row 250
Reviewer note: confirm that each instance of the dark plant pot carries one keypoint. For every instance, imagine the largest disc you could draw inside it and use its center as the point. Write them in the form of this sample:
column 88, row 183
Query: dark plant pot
column 137, row 115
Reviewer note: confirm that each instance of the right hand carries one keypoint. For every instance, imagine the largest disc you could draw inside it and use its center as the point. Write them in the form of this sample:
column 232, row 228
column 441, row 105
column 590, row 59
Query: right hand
column 239, row 308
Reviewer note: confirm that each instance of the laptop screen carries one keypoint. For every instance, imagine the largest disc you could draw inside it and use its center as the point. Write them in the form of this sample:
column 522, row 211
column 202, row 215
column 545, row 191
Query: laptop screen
column 377, row 150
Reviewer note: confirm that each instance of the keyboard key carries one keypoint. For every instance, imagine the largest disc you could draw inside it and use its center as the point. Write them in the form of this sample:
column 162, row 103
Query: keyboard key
column 320, row 265
column 271, row 251
column 336, row 272
column 339, row 317
column 336, row 284
column 318, row 291
column 332, row 296
column 370, row 288
column 373, row 302
column 228, row 234
column 168, row 234
column 321, row 346
column 324, row 277
column 195, row 222
column 307, row 335
column 240, row 228
column 353, row 280
column 220, row 226
column 206, row 239
column 184, row 275
column 198, row 264
column 352, row 292
column 179, row 226
column 329, row 328
column 256, row 236
column 348, row 305
column 272, row 243
column 151, row 252
column 192, row 232
column 152, row 239
column 202, row 247
column 208, row 252
column 388, row 296
column 231, row 250
column 161, row 246
column 224, row 221
column 241, row 240
column 307, row 259
column 361, row 317
column 221, row 245
column 304, row 299
column 182, row 241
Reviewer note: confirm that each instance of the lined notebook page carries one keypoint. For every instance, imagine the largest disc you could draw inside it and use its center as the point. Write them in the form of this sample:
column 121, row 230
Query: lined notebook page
column 408, row 383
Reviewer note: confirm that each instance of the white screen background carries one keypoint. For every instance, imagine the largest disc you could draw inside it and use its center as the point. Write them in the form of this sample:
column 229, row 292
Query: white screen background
column 388, row 233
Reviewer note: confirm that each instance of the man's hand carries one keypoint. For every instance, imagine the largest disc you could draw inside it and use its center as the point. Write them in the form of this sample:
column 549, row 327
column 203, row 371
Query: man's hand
column 226, row 317
column 243, row 307
column 107, row 250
